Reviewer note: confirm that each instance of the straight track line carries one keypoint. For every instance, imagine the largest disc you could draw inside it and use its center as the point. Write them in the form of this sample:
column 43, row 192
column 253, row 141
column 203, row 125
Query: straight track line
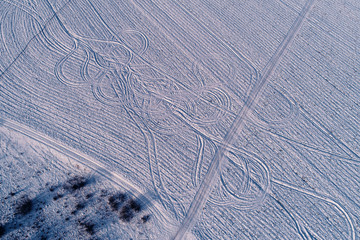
column 218, row 161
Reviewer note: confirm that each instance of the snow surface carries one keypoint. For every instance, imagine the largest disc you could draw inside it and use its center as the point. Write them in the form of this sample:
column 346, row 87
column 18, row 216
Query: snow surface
column 178, row 119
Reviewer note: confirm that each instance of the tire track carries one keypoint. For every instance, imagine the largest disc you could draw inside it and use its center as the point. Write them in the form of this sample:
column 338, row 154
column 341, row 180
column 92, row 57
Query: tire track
column 139, row 121
column 323, row 198
column 178, row 111
column 97, row 94
column 144, row 9
column 65, row 120
column 300, row 228
column 313, row 148
column 59, row 68
column 120, row 42
column 90, row 163
column 331, row 182
column 199, row 160
column 328, row 133
column 34, row 37
column 218, row 160
column 26, row 9
column 84, row 66
column 143, row 38
column 226, row 45
column 154, row 165
column 293, row 112
column 243, row 199
column 8, row 17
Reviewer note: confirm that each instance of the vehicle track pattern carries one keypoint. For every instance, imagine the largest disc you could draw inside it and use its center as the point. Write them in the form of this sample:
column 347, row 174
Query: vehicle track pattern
column 192, row 133
column 123, row 90
column 217, row 163
column 87, row 161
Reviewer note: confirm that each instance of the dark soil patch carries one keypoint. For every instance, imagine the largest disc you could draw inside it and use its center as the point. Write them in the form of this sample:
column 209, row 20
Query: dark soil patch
column 88, row 227
column 57, row 196
column 126, row 214
column 135, row 205
column 145, row 218
column 80, row 206
column 89, row 195
column 25, row 206
column 117, row 200
column 52, row 188
column 2, row 230
column 76, row 183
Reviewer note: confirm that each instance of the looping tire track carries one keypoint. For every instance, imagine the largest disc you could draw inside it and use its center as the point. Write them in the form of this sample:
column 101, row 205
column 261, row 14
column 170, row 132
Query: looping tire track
column 42, row 30
column 72, row 153
column 290, row 118
column 246, row 200
column 218, row 161
column 323, row 198
column 153, row 162
column 139, row 120
column 256, row 91
column 199, row 160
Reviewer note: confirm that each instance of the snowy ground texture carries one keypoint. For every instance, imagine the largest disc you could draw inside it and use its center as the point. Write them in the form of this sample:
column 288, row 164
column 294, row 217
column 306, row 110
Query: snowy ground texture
column 180, row 119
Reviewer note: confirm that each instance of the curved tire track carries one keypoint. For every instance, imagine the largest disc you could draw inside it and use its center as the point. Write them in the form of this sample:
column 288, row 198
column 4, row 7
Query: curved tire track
column 323, row 198
column 89, row 162
column 218, row 160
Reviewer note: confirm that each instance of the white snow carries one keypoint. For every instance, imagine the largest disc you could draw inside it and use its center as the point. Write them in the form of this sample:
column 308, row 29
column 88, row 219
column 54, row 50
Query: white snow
column 154, row 119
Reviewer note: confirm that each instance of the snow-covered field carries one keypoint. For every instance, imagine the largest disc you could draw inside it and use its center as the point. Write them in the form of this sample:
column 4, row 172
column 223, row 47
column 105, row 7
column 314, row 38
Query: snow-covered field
column 179, row 119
